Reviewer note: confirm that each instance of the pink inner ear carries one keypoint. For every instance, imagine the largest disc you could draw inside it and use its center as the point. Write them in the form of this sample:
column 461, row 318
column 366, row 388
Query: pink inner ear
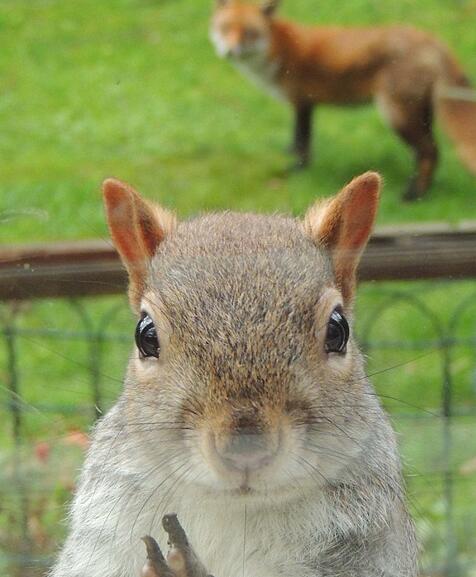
column 149, row 228
column 125, row 244
column 357, row 229
column 137, row 228
column 360, row 209
column 347, row 226
column 119, row 202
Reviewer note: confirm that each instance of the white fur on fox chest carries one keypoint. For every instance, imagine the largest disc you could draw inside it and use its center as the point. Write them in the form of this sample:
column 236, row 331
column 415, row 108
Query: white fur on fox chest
column 262, row 72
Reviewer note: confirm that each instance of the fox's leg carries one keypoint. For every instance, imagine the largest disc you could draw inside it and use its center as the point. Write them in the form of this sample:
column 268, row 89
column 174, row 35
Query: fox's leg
column 181, row 560
column 412, row 121
column 420, row 138
column 302, row 133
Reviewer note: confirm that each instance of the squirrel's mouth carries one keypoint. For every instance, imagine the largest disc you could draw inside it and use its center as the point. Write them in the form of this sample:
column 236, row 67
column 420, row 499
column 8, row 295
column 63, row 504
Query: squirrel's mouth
column 245, row 483
column 245, row 461
column 244, row 490
column 261, row 493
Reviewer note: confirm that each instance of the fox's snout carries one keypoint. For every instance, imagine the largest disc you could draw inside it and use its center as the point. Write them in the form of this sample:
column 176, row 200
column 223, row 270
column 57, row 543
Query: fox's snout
column 230, row 45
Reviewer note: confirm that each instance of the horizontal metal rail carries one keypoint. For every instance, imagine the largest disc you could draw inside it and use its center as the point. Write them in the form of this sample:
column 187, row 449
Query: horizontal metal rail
column 84, row 268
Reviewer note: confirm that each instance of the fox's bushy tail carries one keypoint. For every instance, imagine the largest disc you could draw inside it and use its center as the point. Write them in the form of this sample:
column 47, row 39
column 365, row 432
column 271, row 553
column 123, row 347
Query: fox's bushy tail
column 456, row 108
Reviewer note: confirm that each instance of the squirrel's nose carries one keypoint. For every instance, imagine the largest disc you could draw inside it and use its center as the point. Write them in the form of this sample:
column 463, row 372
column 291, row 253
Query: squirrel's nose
column 246, row 452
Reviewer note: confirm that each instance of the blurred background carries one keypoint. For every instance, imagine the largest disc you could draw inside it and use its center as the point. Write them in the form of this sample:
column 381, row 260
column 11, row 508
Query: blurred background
column 133, row 89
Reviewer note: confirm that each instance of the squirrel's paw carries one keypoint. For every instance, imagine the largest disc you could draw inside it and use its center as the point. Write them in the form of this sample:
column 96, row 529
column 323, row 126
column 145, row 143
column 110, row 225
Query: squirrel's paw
column 181, row 559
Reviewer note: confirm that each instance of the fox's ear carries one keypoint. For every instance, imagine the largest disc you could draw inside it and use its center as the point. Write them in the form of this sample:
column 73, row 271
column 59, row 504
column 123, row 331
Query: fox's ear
column 269, row 7
column 343, row 225
column 137, row 229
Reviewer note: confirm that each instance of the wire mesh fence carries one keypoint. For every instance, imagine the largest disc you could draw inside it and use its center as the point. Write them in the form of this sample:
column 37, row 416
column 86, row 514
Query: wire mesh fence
column 62, row 365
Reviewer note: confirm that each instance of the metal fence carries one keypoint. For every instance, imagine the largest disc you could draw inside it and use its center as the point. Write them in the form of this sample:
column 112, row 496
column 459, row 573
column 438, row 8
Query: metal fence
column 62, row 364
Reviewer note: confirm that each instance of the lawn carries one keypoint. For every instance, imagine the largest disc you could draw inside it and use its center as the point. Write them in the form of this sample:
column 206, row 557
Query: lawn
column 132, row 88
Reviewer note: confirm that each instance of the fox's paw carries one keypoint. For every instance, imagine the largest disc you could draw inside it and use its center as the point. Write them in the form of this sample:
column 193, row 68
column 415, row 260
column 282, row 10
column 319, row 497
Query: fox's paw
column 415, row 190
column 181, row 559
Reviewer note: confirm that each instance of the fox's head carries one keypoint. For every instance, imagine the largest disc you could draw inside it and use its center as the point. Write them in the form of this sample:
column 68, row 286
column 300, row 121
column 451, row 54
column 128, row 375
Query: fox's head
column 242, row 30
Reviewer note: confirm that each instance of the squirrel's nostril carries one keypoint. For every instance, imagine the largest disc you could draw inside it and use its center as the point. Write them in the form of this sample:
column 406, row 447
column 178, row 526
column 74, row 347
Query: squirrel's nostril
column 246, row 452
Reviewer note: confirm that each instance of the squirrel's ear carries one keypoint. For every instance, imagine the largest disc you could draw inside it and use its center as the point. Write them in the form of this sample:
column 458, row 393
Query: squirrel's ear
column 137, row 228
column 269, row 7
column 343, row 225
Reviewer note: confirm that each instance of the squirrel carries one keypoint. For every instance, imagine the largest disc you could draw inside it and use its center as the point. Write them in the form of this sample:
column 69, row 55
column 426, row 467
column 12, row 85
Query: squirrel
column 246, row 409
column 408, row 73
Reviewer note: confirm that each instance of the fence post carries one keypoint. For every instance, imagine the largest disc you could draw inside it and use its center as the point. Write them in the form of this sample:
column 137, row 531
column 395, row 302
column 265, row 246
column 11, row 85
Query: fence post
column 14, row 405
column 451, row 563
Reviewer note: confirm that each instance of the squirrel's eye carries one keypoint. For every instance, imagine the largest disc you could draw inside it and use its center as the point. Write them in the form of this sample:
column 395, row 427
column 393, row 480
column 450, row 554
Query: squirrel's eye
column 146, row 337
column 337, row 332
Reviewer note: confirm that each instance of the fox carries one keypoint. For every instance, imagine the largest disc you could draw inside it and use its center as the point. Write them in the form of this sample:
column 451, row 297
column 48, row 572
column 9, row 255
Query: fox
column 409, row 74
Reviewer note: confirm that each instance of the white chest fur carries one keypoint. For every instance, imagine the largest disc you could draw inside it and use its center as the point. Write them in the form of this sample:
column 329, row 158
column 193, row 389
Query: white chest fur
column 237, row 542
column 240, row 541
column 249, row 542
column 262, row 71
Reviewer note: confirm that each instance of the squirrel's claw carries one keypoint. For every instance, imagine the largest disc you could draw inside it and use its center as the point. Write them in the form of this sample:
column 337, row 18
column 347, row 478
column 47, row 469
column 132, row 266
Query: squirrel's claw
column 181, row 559
column 156, row 565
column 174, row 530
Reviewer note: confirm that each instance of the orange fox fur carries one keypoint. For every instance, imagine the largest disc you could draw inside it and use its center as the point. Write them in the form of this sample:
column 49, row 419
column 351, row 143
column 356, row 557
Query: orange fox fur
column 407, row 72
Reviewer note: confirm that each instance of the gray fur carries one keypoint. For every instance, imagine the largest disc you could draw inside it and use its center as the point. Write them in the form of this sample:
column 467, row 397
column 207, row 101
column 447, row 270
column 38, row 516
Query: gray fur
column 238, row 296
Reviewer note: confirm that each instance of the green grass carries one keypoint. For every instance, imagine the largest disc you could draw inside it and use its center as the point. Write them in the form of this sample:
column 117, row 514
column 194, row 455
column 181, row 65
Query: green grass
column 133, row 89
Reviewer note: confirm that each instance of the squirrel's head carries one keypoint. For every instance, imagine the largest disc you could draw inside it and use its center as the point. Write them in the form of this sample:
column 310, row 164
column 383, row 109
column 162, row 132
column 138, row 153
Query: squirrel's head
column 242, row 30
column 245, row 365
